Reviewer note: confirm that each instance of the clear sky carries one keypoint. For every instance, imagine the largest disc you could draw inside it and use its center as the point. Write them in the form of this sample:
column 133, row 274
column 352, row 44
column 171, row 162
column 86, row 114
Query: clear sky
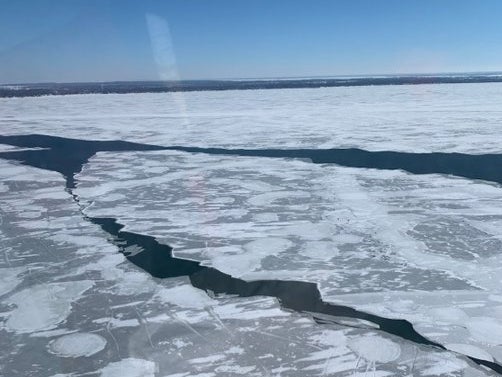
column 106, row 40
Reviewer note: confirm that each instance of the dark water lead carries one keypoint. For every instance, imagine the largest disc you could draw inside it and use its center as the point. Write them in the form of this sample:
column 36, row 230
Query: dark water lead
column 157, row 259
column 67, row 156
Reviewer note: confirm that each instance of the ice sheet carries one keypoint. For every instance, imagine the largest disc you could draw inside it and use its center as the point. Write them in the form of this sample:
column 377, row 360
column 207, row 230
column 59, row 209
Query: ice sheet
column 421, row 248
column 127, row 323
column 411, row 118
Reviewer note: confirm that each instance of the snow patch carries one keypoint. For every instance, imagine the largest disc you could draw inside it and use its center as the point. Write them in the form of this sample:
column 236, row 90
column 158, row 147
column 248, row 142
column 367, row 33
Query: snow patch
column 486, row 329
column 469, row 350
column 185, row 296
column 77, row 345
column 375, row 349
column 9, row 278
column 129, row 367
column 43, row 307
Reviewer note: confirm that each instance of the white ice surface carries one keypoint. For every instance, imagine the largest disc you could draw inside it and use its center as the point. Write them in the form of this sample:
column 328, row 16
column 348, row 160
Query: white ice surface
column 129, row 367
column 185, row 296
column 411, row 118
column 77, row 345
column 469, row 350
column 11, row 148
column 375, row 349
column 398, row 236
column 154, row 327
column 9, row 279
column 43, row 307
column 425, row 248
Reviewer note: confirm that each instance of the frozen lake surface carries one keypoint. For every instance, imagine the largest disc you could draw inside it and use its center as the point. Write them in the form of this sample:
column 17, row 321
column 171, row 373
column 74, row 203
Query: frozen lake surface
column 408, row 118
column 421, row 248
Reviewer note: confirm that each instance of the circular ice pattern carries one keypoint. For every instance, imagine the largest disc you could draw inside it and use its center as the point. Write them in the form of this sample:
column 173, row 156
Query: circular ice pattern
column 77, row 345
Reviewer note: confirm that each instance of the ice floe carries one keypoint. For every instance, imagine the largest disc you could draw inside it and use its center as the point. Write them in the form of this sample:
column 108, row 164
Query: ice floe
column 43, row 307
column 129, row 367
column 77, row 345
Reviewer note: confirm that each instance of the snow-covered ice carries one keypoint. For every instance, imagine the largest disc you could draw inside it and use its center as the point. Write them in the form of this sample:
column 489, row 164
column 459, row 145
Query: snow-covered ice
column 375, row 349
column 95, row 320
column 77, row 345
column 43, row 307
column 151, row 327
column 421, row 248
column 387, row 242
column 129, row 367
column 410, row 118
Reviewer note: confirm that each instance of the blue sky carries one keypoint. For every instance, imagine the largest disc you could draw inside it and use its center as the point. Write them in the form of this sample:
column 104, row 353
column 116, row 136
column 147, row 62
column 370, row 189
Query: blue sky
column 91, row 40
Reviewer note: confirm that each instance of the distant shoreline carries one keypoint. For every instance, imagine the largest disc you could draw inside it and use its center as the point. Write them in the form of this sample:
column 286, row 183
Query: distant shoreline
column 123, row 87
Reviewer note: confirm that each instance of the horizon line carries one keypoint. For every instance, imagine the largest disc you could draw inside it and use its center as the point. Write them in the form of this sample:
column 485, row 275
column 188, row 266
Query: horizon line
column 267, row 78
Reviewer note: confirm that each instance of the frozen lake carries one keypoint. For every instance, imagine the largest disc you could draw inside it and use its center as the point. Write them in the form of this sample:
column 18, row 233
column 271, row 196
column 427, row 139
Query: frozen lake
column 371, row 235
